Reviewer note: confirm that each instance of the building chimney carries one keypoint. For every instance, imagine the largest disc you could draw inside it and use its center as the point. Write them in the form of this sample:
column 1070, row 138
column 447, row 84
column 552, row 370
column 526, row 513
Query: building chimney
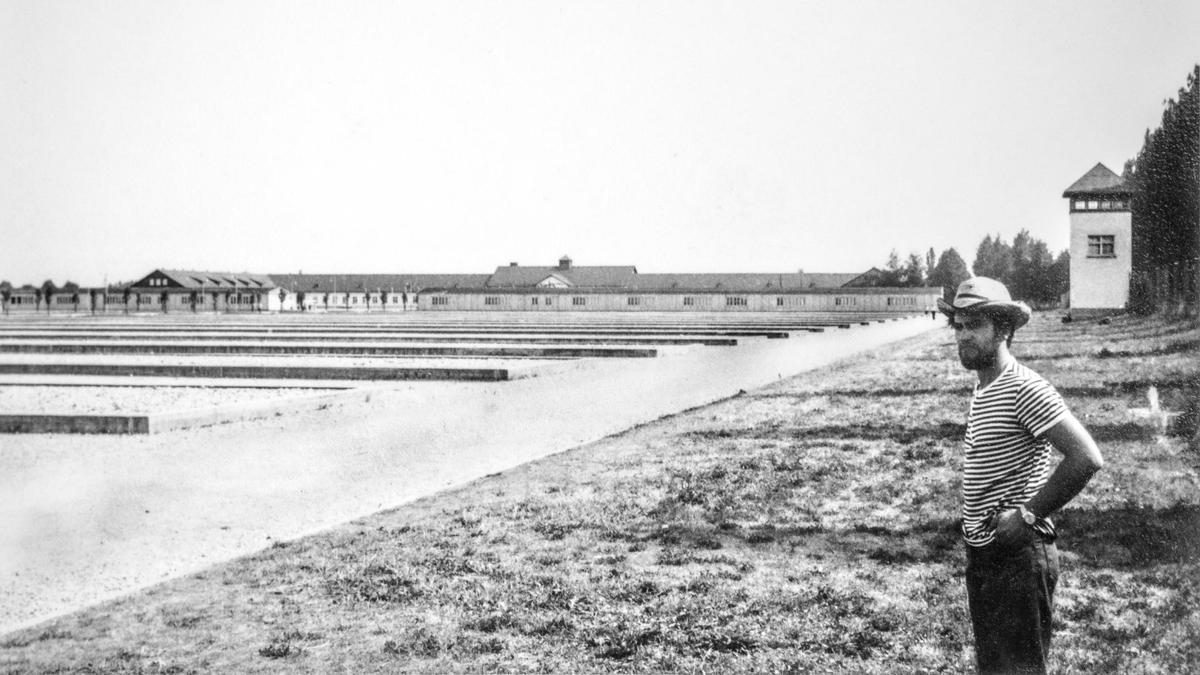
column 564, row 263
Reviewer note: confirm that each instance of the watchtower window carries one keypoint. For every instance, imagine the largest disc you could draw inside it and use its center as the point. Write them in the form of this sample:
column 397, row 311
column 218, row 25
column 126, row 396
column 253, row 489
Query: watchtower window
column 1102, row 246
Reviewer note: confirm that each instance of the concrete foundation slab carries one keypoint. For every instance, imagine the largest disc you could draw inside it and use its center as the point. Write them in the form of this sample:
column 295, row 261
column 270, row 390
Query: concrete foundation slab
column 150, row 423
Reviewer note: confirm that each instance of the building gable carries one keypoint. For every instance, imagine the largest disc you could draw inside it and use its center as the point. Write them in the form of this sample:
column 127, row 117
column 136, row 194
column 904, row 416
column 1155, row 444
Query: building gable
column 157, row 279
column 553, row 281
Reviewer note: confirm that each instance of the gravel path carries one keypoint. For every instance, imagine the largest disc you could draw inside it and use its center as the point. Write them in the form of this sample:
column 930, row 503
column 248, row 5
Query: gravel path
column 83, row 520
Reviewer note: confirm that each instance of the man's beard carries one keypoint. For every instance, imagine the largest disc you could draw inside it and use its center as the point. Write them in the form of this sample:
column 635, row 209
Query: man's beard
column 976, row 359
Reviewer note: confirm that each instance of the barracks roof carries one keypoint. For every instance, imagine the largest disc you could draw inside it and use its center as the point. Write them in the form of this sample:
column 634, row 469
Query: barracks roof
column 752, row 281
column 205, row 280
column 331, row 283
column 595, row 276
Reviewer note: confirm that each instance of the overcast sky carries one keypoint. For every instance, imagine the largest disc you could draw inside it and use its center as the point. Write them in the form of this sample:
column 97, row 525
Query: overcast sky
column 443, row 136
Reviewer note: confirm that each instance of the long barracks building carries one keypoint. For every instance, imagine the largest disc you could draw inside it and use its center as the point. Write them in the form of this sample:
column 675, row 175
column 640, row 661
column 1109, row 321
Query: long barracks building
column 513, row 287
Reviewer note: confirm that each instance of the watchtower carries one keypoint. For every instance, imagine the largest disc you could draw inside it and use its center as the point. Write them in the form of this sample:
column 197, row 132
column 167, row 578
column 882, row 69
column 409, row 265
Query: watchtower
column 1101, row 241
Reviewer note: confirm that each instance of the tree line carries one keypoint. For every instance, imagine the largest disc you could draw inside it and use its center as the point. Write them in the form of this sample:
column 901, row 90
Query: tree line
column 1165, row 177
column 1026, row 266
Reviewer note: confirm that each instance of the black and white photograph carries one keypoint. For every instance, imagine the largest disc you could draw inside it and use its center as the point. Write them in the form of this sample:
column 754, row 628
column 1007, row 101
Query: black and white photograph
column 582, row 336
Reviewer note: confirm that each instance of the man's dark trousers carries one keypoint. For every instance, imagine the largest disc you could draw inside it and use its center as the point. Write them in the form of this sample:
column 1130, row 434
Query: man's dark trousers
column 1010, row 590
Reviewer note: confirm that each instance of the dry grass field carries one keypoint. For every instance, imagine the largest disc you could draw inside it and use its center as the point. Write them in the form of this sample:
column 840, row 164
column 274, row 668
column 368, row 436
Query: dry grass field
column 806, row 526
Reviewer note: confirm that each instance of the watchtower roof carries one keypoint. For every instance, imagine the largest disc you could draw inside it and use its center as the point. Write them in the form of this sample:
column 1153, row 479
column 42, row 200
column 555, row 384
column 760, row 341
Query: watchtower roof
column 1099, row 181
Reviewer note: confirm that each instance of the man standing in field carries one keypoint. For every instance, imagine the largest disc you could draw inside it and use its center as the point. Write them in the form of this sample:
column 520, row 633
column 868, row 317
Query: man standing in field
column 1008, row 491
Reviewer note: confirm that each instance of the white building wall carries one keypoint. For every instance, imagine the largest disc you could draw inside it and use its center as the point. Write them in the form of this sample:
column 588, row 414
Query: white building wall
column 918, row 300
column 1101, row 282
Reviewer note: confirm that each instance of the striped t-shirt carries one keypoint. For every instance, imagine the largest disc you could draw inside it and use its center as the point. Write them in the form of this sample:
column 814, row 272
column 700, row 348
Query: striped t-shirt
column 1006, row 462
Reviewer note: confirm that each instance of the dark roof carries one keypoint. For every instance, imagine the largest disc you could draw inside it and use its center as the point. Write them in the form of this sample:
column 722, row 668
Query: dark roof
column 341, row 283
column 594, row 276
column 1099, row 181
column 871, row 277
column 205, row 280
column 753, row 281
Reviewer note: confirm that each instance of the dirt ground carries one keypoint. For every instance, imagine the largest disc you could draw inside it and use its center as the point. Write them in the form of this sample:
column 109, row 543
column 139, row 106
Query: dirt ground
column 87, row 519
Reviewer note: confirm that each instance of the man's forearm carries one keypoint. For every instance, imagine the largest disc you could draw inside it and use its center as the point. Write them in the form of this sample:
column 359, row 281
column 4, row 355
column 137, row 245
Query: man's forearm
column 1081, row 460
column 1068, row 479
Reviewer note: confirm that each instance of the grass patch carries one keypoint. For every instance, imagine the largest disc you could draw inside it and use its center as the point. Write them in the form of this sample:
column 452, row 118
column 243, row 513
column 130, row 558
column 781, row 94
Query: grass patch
column 807, row 526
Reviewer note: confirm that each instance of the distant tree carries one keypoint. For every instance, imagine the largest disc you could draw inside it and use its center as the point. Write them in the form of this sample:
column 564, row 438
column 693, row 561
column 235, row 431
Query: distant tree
column 282, row 295
column 48, row 290
column 913, row 273
column 950, row 271
column 1060, row 275
column 215, row 297
column 126, row 293
column 930, row 260
column 893, row 271
column 72, row 290
column 1040, row 284
column 1022, row 270
column 300, row 300
column 382, row 299
column 5, row 293
column 193, row 299
column 994, row 259
column 164, row 300
column 1026, row 267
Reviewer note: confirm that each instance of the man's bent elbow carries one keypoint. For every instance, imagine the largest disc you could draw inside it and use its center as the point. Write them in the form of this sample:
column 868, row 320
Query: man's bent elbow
column 1089, row 461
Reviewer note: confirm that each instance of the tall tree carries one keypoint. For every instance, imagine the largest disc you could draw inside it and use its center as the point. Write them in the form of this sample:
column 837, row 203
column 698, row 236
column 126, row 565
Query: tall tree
column 950, row 271
column 1165, row 176
column 994, row 259
column 1020, row 282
